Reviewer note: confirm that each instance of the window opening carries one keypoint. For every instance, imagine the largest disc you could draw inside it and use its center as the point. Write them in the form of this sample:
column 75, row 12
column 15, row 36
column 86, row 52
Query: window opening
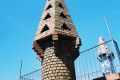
column 47, row 16
column 49, row 6
column 45, row 28
column 60, row 5
column 62, row 15
column 65, row 27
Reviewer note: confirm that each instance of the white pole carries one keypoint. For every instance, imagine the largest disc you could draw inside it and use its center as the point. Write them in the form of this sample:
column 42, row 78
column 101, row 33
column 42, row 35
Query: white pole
column 108, row 28
column 111, row 37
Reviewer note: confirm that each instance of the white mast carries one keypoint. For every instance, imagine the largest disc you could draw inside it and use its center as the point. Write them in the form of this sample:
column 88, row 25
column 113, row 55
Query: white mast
column 108, row 28
column 113, row 42
column 110, row 34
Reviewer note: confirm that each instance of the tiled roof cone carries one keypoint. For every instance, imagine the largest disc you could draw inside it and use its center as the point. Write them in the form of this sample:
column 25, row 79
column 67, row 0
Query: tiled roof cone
column 56, row 42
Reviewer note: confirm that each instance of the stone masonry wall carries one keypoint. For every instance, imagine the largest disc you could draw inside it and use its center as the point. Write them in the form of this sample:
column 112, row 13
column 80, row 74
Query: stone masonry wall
column 58, row 66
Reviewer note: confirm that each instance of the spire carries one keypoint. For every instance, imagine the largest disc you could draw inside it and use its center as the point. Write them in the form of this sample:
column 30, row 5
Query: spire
column 55, row 24
column 55, row 19
column 56, row 42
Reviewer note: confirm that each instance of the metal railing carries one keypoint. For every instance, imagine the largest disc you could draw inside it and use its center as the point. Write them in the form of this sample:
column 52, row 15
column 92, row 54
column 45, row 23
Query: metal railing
column 35, row 75
column 87, row 65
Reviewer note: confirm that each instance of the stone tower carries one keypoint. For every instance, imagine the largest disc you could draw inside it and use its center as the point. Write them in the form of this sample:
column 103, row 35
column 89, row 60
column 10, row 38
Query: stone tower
column 56, row 42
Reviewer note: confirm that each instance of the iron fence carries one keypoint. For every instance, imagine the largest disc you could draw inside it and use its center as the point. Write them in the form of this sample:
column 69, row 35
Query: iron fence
column 87, row 65
column 35, row 75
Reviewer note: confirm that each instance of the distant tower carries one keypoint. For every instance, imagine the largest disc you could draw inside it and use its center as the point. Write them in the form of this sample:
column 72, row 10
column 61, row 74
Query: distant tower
column 106, row 57
column 56, row 42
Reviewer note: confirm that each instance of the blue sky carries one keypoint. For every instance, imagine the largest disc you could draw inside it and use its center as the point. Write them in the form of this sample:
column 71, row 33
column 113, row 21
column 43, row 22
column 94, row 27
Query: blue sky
column 19, row 20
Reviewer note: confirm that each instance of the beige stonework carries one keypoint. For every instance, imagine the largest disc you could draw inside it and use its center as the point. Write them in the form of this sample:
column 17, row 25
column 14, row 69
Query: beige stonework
column 55, row 21
column 115, row 76
column 56, row 42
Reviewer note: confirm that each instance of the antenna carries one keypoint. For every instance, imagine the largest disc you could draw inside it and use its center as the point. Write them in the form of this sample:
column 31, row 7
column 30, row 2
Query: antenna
column 115, row 46
column 21, row 68
column 108, row 28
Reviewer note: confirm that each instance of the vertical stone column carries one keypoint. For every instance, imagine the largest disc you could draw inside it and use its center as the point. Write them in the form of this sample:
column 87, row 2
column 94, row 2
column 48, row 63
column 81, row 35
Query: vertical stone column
column 57, row 66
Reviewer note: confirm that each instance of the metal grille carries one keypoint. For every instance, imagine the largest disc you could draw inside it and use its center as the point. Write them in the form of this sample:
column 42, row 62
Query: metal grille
column 87, row 65
column 35, row 75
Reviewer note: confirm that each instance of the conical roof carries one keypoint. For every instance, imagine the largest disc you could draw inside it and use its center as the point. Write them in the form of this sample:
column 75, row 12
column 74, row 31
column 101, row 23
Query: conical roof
column 55, row 20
